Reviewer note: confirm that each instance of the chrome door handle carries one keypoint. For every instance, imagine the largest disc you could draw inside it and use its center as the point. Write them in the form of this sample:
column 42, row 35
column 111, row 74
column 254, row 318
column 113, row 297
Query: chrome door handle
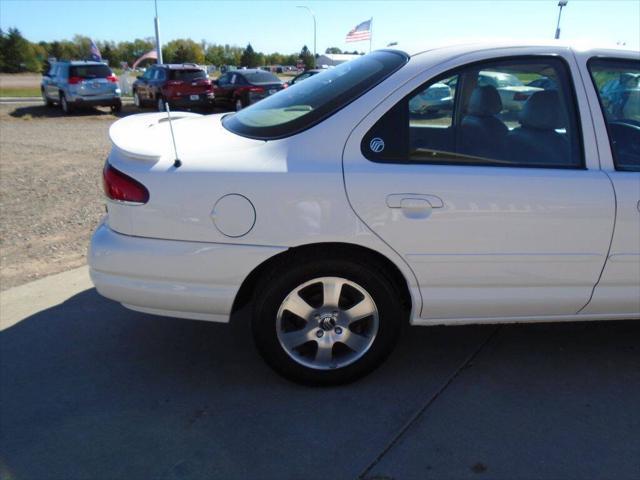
column 413, row 200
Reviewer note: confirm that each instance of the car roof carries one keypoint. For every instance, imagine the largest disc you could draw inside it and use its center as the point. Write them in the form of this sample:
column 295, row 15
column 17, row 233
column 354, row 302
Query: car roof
column 472, row 45
column 75, row 63
column 249, row 70
column 179, row 66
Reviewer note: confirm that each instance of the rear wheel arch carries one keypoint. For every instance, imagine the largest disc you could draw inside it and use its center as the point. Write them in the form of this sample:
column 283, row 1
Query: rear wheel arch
column 327, row 250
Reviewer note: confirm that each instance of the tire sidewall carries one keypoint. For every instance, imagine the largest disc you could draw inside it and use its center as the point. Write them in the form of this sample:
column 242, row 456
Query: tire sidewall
column 239, row 104
column 161, row 104
column 136, row 100
column 272, row 293
column 64, row 104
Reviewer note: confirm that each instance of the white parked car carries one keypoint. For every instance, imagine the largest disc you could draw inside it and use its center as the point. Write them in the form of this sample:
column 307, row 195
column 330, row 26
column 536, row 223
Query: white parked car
column 337, row 217
column 513, row 92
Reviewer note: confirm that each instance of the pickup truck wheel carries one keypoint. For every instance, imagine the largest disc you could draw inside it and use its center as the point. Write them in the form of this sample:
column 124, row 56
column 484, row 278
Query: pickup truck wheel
column 136, row 100
column 326, row 322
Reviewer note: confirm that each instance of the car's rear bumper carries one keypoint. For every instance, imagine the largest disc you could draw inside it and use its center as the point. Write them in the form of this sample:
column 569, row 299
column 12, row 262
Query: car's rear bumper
column 186, row 102
column 101, row 101
column 174, row 278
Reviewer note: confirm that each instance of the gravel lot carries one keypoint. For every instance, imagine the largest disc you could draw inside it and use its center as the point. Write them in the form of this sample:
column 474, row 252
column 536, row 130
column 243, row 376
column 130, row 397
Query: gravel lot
column 50, row 188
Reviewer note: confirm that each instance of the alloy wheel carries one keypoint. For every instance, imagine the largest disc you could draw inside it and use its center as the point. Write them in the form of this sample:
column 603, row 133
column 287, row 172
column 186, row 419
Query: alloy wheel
column 327, row 323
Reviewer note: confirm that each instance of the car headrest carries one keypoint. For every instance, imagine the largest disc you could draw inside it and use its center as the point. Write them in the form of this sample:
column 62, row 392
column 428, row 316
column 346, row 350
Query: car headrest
column 542, row 111
column 485, row 101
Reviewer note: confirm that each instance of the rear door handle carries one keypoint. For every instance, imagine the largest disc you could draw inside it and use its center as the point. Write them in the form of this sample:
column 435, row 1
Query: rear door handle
column 413, row 200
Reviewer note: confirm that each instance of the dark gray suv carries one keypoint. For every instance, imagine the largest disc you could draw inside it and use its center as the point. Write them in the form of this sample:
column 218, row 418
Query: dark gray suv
column 76, row 84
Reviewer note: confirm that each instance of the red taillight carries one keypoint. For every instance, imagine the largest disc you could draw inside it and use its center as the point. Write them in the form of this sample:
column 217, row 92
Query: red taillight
column 121, row 187
column 74, row 80
column 520, row 97
column 112, row 78
column 257, row 89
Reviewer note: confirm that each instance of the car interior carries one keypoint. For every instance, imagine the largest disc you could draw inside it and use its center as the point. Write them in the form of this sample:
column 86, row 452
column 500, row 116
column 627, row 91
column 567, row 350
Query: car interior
column 533, row 129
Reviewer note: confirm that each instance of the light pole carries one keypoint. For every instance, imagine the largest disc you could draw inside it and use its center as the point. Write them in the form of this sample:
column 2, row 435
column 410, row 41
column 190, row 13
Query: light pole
column 314, row 31
column 157, row 25
column 561, row 4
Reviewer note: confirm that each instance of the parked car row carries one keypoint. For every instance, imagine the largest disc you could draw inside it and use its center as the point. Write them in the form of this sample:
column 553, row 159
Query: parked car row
column 187, row 86
column 182, row 86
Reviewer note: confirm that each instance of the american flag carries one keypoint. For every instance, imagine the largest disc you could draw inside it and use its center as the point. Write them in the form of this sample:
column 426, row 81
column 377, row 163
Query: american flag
column 361, row 32
column 94, row 52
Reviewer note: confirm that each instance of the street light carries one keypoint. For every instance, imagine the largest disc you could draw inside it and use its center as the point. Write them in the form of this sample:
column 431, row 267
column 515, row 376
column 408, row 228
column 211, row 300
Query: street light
column 314, row 31
column 561, row 4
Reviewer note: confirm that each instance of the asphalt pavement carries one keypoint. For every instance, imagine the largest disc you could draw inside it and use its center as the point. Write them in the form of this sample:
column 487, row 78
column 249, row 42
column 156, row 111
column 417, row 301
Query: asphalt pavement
column 90, row 390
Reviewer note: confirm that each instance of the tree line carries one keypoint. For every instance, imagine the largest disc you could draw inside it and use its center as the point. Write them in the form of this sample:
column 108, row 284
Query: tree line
column 17, row 54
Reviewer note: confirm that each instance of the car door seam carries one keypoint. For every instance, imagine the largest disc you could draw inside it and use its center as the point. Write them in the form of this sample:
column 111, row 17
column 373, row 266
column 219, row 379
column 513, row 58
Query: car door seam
column 613, row 231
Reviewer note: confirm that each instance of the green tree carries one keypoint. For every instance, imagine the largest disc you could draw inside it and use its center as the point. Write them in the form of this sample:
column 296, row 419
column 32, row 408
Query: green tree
column 18, row 54
column 307, row 58
column 333, row 50
column 83, row 46
column 250, row 58
column 183, row 50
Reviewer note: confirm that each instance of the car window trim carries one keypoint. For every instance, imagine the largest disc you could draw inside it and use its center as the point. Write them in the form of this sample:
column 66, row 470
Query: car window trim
column 459, row 71
column 614, row 153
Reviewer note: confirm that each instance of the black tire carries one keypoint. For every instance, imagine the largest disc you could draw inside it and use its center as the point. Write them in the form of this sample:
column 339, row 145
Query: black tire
column 116, row 107
column 47, row 103
column 66, row 107
column 137, row 101
column 274, row 289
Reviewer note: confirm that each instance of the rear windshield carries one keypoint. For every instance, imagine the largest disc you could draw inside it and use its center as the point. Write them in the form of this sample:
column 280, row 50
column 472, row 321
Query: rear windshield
column 306, row 103
column 187, row 75
column 89, row 71
column 261, row 77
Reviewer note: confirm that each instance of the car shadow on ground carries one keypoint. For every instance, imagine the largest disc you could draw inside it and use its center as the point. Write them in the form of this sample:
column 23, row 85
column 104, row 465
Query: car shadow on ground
column 42, row 111
column 92, row 390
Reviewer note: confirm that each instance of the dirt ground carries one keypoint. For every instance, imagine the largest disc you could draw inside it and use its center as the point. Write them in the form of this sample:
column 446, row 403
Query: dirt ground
column 20, row 80
column 50, row 188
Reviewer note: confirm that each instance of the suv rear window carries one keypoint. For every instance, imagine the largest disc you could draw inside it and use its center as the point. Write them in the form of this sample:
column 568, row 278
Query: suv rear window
column 89, row 71
column 306, row 103
column 187, row 75
column 261, row 77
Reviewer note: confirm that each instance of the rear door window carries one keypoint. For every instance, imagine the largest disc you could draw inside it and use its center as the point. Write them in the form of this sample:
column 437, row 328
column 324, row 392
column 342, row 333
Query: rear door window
column 187, row 75
column 488, row 113
column 261, row 77
column 617, row 83
column 89, row 71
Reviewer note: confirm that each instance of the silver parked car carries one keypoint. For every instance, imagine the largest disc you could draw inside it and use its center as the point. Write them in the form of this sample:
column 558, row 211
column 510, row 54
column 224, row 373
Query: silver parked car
column 78, row 83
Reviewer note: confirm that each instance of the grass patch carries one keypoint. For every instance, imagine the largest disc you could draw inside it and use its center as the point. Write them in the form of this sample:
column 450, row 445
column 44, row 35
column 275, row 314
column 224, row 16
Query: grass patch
column 20, row 92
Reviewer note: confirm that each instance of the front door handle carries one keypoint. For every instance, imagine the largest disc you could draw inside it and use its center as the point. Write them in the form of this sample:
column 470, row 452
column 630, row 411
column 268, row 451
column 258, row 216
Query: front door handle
column 413, row 200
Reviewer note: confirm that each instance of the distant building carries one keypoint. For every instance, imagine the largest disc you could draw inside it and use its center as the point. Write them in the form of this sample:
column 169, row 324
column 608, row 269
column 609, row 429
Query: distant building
column 333, row 59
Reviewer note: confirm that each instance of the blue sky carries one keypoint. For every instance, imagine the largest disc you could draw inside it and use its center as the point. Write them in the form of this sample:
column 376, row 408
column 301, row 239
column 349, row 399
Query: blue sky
column 280, row 26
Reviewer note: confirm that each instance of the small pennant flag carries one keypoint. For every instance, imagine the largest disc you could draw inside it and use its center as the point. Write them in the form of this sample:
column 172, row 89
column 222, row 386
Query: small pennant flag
column 94, row 52
column 360, row 32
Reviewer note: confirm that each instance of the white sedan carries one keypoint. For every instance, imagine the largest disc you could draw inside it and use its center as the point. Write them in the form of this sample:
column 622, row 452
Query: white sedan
column 337, row 217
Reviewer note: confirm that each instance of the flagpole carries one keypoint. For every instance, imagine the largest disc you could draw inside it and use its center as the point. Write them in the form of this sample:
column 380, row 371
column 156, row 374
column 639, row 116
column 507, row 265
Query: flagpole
column 156, row 21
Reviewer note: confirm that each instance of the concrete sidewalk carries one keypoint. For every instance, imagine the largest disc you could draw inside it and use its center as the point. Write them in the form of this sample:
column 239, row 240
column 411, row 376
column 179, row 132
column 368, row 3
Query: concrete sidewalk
column 89, row 390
